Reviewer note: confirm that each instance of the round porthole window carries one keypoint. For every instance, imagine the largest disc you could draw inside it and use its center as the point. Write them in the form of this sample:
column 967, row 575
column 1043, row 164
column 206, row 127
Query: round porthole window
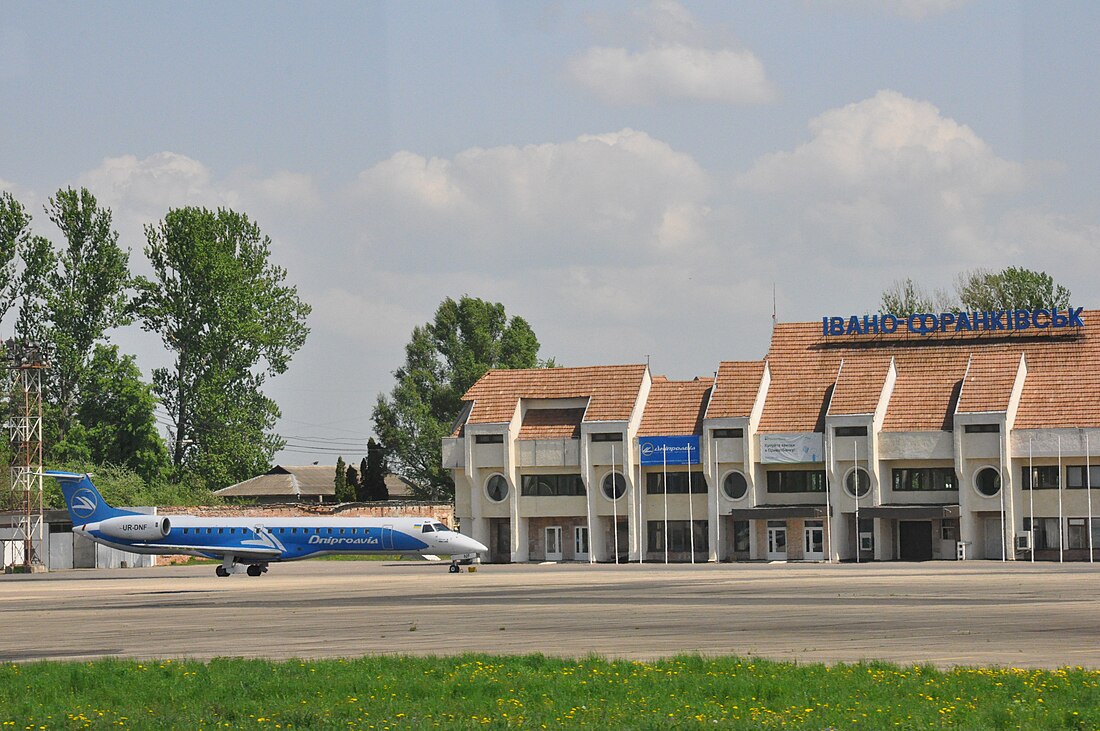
column 497, row 488
column 614, row 486
column 858, row 482
column 735, row 486
column 987, row 481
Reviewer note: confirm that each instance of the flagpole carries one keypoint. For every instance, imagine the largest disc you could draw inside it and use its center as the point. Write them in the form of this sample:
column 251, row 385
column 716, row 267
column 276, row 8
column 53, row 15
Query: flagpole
column 1001, row 477
column 631, row 506
column 1061, row 527
column 588, row 500
column 664, row 489
column 717, row 506
column 642, row 536
column 691, row 511
column 1031, row 495
column 828, row 501
column 615, row 502
column 1088, row 491
column 855, row 473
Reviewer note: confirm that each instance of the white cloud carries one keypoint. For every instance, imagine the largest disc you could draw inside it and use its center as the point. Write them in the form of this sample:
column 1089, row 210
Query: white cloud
column 619, row 76
column 610, row 195
column 677, row 62
column 889, row 178
column 910, row 9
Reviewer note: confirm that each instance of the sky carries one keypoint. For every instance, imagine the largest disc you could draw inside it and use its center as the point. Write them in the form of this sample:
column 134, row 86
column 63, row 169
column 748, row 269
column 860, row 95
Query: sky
column 636, row 180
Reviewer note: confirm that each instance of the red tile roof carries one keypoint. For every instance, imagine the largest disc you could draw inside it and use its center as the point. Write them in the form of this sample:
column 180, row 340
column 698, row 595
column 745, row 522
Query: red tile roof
column 989, row 380
column 1062, row 388
column 675, row 408
column 551, row 424
column 611, row 391
column 859, row 385
column 738, row 382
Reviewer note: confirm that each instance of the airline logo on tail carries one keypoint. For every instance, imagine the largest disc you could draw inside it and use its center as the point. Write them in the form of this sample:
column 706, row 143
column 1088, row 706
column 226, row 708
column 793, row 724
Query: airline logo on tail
column 84, row 503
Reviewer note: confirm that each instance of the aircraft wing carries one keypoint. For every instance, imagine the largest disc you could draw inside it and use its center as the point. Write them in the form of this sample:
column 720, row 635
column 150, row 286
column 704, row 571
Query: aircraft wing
column 220, row 551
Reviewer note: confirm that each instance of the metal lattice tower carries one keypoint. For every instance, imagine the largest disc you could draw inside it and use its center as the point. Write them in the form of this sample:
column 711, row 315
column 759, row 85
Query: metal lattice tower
column 25, row 363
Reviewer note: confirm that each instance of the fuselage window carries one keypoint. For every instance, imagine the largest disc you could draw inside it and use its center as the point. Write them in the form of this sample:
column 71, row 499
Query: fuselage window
column 209, row 531
column 330, row 531
column 341, row 531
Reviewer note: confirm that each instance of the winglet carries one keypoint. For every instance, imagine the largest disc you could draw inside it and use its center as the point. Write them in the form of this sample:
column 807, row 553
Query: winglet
column 83, row 500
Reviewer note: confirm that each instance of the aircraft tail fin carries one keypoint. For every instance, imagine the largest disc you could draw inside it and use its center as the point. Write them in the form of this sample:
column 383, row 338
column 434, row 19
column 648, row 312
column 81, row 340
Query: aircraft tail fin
column 83, row 500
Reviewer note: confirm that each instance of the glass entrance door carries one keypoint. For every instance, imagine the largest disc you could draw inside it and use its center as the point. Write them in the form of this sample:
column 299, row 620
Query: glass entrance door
column 580, row 543
column 777, row 540
column 553, row 543
column 814, row 536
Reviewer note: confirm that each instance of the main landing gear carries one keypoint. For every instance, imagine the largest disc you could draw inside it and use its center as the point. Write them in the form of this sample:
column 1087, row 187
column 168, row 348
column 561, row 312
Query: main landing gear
column 255, row 569
column 454, row 568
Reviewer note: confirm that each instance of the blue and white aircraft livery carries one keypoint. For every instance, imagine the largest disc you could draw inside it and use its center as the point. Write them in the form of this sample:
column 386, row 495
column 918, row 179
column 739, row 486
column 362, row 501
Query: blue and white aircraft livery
column 248, row 545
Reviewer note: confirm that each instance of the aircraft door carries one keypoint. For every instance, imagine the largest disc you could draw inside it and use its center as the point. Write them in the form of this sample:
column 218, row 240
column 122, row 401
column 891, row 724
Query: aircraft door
column 387, row 537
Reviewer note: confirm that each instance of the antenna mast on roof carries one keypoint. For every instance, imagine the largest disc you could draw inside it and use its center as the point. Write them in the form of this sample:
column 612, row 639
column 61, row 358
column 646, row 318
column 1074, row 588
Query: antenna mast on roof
column 774, row 320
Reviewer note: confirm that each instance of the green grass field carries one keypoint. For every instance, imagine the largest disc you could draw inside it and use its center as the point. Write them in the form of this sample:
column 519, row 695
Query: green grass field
column 390, row 692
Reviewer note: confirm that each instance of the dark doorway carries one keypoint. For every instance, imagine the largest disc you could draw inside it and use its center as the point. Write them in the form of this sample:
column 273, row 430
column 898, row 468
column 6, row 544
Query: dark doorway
column 915, row 538
column 500, row 540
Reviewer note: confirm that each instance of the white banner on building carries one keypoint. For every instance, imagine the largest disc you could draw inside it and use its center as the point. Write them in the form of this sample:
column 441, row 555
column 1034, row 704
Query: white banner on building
column 788, row 448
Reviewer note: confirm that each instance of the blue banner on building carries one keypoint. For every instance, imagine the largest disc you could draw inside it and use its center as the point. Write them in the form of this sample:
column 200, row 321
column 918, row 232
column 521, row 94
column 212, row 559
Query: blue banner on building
column 669, row 450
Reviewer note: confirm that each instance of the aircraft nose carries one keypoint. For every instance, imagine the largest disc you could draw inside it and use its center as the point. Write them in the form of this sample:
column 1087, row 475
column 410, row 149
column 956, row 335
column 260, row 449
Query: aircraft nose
column 469, row 545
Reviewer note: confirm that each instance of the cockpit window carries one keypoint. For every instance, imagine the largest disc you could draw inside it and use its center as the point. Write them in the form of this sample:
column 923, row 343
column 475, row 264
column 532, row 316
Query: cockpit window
column 441, row 528
column 427, row 528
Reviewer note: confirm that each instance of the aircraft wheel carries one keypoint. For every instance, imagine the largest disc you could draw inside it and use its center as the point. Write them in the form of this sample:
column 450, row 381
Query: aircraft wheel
column 221, row 571
column 454, row 568
column 254, row 570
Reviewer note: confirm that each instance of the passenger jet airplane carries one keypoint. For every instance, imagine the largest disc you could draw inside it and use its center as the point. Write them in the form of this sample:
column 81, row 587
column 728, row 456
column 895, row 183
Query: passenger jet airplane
column 250, row 544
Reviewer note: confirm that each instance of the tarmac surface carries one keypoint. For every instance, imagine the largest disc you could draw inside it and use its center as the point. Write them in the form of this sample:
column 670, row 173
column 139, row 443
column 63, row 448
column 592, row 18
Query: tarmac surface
column 944, row 613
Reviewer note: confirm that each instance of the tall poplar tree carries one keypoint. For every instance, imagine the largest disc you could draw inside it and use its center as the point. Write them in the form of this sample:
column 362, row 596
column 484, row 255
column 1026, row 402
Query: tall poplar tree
column 231, row 321
column 86, row 291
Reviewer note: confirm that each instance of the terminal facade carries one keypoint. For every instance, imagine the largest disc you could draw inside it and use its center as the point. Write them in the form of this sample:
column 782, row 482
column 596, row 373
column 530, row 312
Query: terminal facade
column 961, row 435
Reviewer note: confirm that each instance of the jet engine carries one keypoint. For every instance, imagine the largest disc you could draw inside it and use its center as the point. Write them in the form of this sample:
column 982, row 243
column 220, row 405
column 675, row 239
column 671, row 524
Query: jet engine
column 136, row 527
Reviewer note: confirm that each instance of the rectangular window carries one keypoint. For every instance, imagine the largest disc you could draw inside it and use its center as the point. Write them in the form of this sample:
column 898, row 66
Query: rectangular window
column 982, row 428
column 796, row 481
column 1076, row 535
column 1045, row 535
column 551, row 485
column 677, row 483
column 614, row 436
column 489, row 439
column 851, row 431
column 728, row 433
column 741, row 536
column 921, row 479
column 1075, row 477
column 1042, row 478
column 679, row 536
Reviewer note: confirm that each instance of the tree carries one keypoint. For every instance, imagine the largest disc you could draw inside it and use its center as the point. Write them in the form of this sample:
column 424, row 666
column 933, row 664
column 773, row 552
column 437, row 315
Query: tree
column 115, row 418
column 231, row 322
column 351, row 480
column 85, row 291
column 340, row 481
column 904, row 298
column 15, row 235
column 443, row 359
column 374, row 472
column 1010, row 289
column 1014, row 288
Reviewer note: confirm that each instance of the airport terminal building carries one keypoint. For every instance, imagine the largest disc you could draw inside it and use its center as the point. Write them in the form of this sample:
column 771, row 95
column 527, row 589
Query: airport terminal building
column 937, row 436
